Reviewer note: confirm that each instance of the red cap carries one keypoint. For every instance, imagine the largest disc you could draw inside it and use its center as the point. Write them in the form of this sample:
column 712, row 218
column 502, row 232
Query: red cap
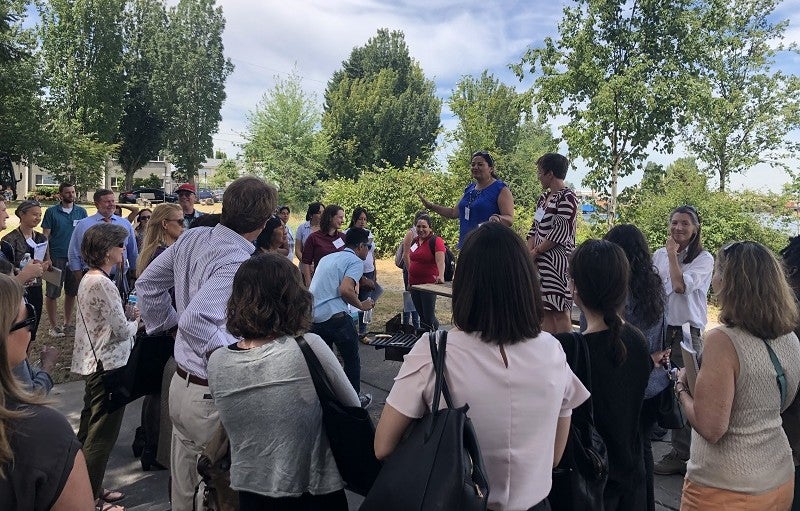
column 186, row 187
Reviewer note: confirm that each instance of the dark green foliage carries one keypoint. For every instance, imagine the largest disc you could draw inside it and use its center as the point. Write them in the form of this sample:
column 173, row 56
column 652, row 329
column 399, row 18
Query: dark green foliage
column 151, row 181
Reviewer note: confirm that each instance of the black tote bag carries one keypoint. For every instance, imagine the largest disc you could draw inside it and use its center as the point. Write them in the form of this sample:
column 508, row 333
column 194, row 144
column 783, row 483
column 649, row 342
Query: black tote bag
column 351, row 434
column 438, row 466
column 580, row 478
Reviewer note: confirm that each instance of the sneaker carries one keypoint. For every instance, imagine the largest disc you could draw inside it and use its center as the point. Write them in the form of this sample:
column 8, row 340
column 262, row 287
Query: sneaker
column 670, row 464
column 56, row 332
column 366, row 400
column 69, row 329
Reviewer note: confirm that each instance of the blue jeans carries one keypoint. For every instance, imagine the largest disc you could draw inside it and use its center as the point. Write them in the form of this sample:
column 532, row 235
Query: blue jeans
column 339, row 330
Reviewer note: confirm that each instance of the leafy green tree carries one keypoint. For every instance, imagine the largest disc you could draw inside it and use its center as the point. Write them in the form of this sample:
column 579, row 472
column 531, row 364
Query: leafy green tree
column 617, row 71
column 742, row 108
column 196, row 72
column 379, row 109
column 284, row 143
column 226, row 172
column 141, row 130
column 151, row 181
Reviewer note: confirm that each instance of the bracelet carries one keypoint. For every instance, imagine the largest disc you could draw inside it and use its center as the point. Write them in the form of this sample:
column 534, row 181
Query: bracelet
column 682, row 388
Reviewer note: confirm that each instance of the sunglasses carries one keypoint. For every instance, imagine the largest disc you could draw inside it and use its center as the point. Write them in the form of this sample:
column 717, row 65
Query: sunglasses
column 730, row 248
column 28, row 322
column 121, row 245
column 143, row 218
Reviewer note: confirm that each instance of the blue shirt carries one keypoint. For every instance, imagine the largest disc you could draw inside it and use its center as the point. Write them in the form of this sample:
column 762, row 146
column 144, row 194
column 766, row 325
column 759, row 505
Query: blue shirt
column 200, row 266
column 330, row 272
column 61, row 225
column 481, row 203
column 76, row 261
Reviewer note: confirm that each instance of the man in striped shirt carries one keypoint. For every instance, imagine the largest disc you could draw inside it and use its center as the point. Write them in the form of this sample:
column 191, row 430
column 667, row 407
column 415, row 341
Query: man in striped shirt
column 200, row 266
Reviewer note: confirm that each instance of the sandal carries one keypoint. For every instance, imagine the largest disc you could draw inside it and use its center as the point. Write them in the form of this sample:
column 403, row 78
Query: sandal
column 112, row 495
column 101, row 505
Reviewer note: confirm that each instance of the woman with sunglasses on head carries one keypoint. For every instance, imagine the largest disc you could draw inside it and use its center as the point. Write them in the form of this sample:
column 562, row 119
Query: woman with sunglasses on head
column 551, row 239
column 141, row 224
column 741, row 458
column 103, row 341
column 23, row 239
column 685, row 269
column 41, row 463
column 486, row 199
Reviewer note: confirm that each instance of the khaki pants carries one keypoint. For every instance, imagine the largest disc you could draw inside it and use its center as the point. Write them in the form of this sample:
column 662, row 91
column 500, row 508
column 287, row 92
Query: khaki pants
column 97, row 431
column 194, row 421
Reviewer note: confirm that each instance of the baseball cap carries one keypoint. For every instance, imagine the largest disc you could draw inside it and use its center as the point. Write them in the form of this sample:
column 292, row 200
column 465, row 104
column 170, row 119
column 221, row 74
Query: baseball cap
column 186, row 187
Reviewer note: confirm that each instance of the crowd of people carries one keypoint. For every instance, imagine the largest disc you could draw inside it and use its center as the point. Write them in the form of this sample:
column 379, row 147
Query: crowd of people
column 227, row 290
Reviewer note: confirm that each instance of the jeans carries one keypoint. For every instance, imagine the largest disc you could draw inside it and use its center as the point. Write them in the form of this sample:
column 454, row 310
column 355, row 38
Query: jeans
column 339, row 330
column 425, row 303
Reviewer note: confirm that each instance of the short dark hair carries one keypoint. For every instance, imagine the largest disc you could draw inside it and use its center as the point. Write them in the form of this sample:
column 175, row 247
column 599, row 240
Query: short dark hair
column 102, row 192
column 65, row 185
column 555, row 163
column 486, row 157
column 357, row 213
column 356, row 236
column 268, row 298
column 265, row 237
column 327, row 216
column 501, row 301
column 601, row 273
column 313, row 209
column 422, row 216
column 98, row 240
column 247, row 204
column 281, row 208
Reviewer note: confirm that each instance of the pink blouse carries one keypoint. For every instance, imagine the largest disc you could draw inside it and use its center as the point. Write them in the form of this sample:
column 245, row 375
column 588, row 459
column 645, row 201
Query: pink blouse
column 514, row 409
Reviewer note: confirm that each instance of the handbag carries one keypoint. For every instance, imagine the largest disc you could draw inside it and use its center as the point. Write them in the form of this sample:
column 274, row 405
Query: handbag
column 438, row 465
column 350, row 432
column 580, row 478
column 668, row 413
column 214, row 465
column 141, row 375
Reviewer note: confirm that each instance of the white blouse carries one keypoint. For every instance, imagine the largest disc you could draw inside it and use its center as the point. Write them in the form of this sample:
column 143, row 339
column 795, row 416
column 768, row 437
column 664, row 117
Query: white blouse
column 691, row 306
column 100, row 323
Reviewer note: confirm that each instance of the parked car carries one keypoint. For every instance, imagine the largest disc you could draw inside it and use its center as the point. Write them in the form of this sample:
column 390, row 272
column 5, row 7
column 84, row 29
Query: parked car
column 204, row 194
column 218, row 193
column 142, row 193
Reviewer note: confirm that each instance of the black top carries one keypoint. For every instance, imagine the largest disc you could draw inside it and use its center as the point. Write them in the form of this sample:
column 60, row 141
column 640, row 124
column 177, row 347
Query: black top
column 44, row 448
column 617, row 395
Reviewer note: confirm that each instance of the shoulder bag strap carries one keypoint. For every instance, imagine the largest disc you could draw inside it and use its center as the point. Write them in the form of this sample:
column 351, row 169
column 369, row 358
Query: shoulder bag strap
column 87, row 330
column 780, row 377
column 438, row 356
column 321, row 383
column 582, row 356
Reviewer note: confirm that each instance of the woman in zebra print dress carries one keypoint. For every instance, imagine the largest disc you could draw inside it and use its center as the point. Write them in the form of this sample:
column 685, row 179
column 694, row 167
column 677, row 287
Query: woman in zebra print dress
column 551, row 240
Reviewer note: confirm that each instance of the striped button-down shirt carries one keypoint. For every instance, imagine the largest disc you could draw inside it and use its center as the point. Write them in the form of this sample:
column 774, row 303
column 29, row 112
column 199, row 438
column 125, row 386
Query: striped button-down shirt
column 200, row 266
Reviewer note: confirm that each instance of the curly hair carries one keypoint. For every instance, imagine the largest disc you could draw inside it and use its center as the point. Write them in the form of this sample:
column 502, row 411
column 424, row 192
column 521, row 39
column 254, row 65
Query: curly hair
column 98, row 240
column 268, row 299
column 646, row 290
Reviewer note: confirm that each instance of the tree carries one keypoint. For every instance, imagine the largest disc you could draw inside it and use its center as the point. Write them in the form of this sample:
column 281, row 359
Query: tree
column 618, row 73
column 742, row 109
column 226, row 172
column 284, row 142
column 197, row 70
column 141, row 130
column 489, row 116
column 379, row 109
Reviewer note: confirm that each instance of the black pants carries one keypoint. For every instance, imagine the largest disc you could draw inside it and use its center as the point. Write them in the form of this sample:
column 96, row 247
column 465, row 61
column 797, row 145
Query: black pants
column 336, row 501
column 34, row 296
column 647, row 422
column 425, row 303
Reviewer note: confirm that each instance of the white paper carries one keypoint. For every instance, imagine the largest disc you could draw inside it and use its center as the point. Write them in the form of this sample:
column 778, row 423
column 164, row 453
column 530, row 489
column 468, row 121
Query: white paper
column 40, row 251
column 53, row 276
column 338, row 243
column 690, row 361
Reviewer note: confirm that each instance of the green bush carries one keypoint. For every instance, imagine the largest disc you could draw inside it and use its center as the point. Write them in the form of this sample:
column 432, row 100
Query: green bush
column 43, row 193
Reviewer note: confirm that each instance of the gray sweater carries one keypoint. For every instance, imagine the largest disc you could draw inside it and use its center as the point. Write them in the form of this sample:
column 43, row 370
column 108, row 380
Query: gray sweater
column 269, row 407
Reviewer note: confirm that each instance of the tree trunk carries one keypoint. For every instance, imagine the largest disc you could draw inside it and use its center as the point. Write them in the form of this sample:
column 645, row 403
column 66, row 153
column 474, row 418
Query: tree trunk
column 612, row 200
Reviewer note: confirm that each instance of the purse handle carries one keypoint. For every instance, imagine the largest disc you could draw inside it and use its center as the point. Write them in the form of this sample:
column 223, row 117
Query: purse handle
column 438, row 356
column 321, row 382
column 780, row 376
column 581, row 355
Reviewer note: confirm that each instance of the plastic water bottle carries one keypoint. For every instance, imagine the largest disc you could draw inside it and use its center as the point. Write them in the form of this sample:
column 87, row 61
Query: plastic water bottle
column 131, row 305
column 25, row 260
column 367, row 317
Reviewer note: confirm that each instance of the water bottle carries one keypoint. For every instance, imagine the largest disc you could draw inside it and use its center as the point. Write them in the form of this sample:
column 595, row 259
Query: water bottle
column 367, row 317
column 25, row 260
column 130, row 307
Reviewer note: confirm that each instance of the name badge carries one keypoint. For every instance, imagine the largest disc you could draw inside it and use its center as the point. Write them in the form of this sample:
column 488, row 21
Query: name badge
column 75, row 222
column 466, row 213
column 338, row 243
column 539, row 214
column 414, row 247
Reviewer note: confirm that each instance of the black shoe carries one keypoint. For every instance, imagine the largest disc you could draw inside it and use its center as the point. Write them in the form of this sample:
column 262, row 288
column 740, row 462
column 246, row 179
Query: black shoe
column 149, row 461
column 138, row 442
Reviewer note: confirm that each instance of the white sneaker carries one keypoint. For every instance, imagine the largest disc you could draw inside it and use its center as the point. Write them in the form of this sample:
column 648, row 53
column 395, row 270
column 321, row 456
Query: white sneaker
column 56, row 332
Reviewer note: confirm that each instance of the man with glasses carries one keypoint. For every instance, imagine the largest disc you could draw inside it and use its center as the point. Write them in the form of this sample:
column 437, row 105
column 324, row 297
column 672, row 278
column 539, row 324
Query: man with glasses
column 57, row 226
column 186, row 196
column 334, row 288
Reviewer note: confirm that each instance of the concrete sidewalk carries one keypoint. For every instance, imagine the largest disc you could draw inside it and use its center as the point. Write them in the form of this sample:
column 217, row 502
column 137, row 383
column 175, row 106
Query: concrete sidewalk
column 147, row 491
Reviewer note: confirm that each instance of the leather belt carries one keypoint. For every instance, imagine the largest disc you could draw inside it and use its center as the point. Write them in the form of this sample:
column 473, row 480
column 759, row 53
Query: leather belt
column 190, row 377
column 339, row 315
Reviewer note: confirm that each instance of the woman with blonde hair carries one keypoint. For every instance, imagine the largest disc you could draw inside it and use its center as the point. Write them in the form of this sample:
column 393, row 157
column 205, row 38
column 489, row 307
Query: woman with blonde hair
column 163, row 228
column 41, row 463
column 740, row 457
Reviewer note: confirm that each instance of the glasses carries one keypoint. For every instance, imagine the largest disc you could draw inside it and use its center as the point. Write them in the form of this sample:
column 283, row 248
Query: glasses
column 121, row 245
column 730, row 248
column 369, row 246
column 144, row 218
column 174, row 220
column 28, row 322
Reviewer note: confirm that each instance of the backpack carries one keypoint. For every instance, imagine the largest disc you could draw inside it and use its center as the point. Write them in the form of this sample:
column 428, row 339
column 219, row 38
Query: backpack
column 398, row 256
column 449, row 259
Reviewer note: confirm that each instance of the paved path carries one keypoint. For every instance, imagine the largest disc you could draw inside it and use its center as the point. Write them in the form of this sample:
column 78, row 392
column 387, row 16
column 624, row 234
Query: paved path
column 147, row 491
